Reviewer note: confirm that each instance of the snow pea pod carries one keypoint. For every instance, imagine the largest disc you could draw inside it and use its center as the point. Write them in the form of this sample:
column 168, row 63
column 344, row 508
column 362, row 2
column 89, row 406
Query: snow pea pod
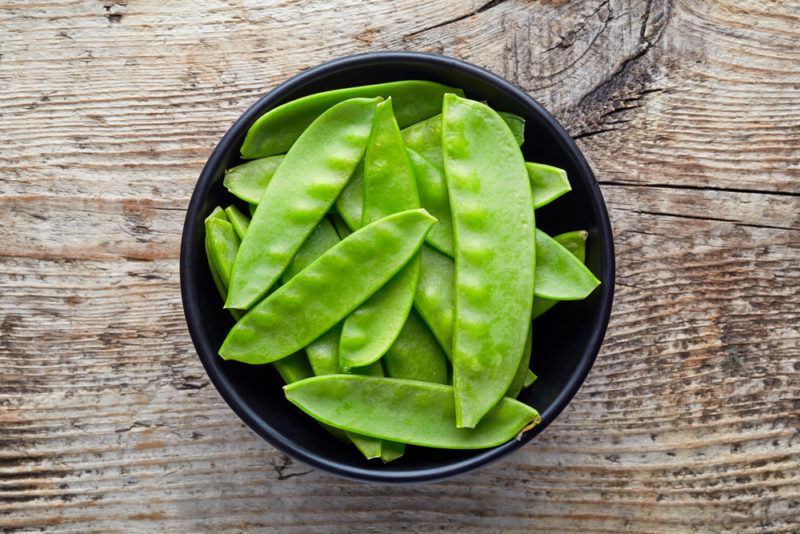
column 559, row 274
column 493, row 220
column 389, row 187
column 416, row 355
column 249, row 180
column 522, row 370
column 239, row 220
column 516, row 124
column 326, row 291
column 433, row 197
column 418, row 413
column 304, row 187
column 547, row 183
column 221, row 288
column 530, row 378
column 434, row 297
column 222, row 244
column 350, row 203
column 575, row 243
column 278, row 129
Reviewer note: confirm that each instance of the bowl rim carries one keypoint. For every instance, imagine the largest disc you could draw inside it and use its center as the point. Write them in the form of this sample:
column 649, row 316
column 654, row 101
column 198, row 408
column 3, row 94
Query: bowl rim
column 207, row 353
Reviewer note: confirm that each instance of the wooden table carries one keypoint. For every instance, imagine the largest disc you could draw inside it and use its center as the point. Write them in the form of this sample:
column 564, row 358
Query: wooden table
column 689, row 112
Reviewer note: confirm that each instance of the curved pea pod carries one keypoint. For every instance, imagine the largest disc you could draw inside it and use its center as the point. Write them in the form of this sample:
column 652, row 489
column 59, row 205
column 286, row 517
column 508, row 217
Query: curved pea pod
column 392, row 450
column 575, row 243
column 238, row 220
column 249, row 180
column 522, row 371
column 559, row 274
column 417, row 413
column 433, row 197
column 425, row 137
column 326, row 291
column 222, row 243
column 221, row 288
column 304, row 187
column 490, row 199
column 389, row 187
column 530, row 378
column 434, row 298
column 547, row 183
column 416, row 355
column 516, row 124
column 277, row 130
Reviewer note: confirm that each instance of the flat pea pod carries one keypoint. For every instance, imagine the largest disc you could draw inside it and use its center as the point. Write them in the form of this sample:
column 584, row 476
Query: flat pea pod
column 277, row 130
column 221, row 244
column 434, row 298
column 493, row 222
column 433, row 197
column 575, row 243
column 417, row 413
column 326, row 291
column 425, row 137
column 304, row 187
column 559, row 274
column 238, row 220
column 221, row 288
column 522, row 371
column 416, row 355
column 547, row 183
column 530, row 378
column 389, row 187
column 516, row 124
column 321, row 239
column 350, row 203
column 249, row 180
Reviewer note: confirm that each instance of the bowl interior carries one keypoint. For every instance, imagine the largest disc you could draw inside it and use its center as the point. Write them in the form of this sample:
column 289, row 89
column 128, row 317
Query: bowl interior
column 565, row 340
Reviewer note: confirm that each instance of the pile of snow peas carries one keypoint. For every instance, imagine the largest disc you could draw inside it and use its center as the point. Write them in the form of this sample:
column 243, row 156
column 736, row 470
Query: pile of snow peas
column 390, row 266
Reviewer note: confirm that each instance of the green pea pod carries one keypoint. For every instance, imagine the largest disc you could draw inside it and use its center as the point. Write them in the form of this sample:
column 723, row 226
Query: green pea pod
column 433, row 197
column 328, row 290
column 416, row 355
column 434, row 298
column 559, row 274
column 522, row 370
column 221, row 245
column 277, row 130
column 239, row 220
column 350, row 203
column 389, row 187
column 304, row 187
column 516, row 124
column 249, row 180
column 530, row 378
column 392, row 450
column 575, row 243
column 493, row 222
column 425, row 137
column 418, row 413
column 547, row 183
column 221, row 288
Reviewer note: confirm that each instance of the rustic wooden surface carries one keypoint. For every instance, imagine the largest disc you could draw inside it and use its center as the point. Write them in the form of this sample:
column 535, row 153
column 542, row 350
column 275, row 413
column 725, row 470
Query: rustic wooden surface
column 689, row 112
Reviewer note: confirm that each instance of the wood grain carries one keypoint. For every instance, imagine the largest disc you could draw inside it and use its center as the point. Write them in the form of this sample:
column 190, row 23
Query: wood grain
column 689, row 112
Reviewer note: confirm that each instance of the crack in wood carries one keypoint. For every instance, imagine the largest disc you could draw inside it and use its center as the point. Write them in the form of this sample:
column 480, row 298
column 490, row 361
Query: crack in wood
column 687, row 187
column 483, row 8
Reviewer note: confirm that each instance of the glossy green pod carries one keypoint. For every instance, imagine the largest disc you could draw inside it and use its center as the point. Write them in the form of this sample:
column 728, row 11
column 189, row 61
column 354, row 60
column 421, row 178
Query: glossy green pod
column 433, row 197
column 326, row 291
column 350, row 203
column 277, row 130
column 516, row 124
column 301, row 192
column 249, row 180
column 559, row 274
column 389, row 187
column 221, row 288
column 530, row 378
column 493, row 223
column 547, row 183
column 522, row 371
column 238, row 220
column 417, row 413
column 575, row 243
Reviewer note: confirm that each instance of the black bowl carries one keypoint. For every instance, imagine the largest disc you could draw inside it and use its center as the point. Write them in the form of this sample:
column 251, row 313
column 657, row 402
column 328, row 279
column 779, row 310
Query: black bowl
column 566, row 340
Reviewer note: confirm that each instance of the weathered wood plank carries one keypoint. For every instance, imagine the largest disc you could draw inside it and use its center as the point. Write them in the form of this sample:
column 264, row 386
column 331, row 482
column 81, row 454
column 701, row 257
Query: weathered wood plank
column 688, row 112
